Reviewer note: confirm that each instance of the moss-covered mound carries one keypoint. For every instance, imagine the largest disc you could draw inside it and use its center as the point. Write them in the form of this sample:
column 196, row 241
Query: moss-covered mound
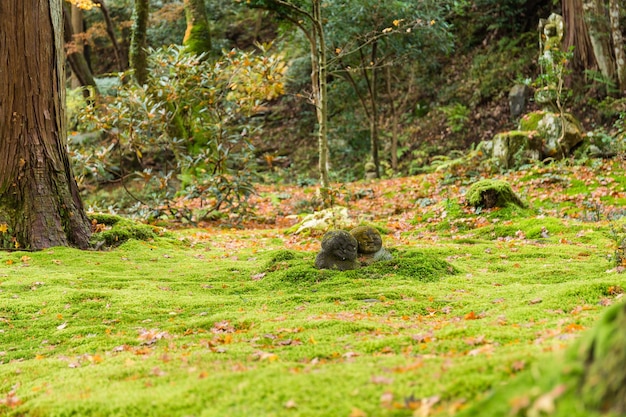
column 111, row 230
column 590, row 380
column 492, row 193
column 291, row 266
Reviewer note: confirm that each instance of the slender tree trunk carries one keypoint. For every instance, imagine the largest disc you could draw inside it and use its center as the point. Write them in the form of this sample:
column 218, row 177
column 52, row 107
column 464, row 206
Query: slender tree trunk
column 319, row 73
column 119, row 56
column 320, row 93
column 394, row 123
column 374, row 109
column 618, row 44
column 39, row 201
column 77, row 26
column 139, row 42
column 197, row 38
column 599, row 33
column 77, row 60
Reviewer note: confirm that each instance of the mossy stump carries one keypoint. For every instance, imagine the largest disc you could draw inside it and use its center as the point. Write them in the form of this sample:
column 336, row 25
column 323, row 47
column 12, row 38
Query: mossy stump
column 492, row 193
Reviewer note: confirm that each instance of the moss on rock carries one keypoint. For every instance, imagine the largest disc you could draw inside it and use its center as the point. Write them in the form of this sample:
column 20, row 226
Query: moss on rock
column 530, row 121
column 492, row 193
column 589, row 380
column 111, row 230
column 293, row 267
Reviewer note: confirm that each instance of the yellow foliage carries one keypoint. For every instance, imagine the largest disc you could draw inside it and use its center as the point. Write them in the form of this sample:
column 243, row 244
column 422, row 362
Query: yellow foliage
column 83, row 4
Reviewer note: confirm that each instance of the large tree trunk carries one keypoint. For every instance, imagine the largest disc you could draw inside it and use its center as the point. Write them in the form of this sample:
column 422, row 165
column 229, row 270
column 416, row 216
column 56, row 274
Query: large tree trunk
column 198, row 34
column 598, row 23
column 577, row 36
column 139, row 41
column 39, row 201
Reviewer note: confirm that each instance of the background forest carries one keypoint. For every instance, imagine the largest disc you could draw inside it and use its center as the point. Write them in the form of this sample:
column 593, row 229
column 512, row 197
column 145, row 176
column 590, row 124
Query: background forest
column 178, row 101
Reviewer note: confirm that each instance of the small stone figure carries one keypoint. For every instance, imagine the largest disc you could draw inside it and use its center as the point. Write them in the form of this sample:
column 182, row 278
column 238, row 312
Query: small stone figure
column 370, row 245
column 339, row 251
column 370, row 171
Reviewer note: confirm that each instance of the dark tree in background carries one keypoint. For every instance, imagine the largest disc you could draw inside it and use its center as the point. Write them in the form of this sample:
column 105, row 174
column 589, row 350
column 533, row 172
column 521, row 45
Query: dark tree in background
column 139, row 42
column 39, row 201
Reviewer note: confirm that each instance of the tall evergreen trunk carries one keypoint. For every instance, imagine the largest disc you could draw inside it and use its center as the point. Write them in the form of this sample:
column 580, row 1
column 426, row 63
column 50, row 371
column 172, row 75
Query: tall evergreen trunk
column 39, row 202
column 197, row 38
column 618, row 44
column 577, row 36
column 598, row 23
column 139, row 41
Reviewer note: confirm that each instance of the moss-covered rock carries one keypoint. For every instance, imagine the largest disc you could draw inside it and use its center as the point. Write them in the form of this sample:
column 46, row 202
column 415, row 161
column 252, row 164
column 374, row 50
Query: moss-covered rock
column 560, row 134
column 492, row 193
column 331, row 218
column 541, row 135
column 602, row 355
column 297, row 268
column 589, row 380
column 515, row 148
column 111, row 230
column 530, row 121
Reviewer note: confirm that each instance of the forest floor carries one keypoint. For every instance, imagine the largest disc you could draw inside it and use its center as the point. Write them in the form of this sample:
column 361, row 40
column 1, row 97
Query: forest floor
column 217, row 321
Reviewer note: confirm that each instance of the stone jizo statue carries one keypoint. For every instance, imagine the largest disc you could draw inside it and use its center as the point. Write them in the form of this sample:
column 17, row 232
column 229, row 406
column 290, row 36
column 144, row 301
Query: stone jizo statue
column 370, row 245
column 339, row 251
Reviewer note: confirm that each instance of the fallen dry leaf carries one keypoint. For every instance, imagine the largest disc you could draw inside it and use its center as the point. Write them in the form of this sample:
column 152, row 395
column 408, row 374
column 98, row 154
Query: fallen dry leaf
column 356, row 412
column 291, row 404
column 381, row 380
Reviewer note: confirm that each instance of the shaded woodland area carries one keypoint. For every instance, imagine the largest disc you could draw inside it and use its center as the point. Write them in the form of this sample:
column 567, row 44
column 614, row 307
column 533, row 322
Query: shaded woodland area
column 401, row 90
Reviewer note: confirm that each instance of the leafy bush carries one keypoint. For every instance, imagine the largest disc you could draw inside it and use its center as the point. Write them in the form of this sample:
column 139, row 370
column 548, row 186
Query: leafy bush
column 183, row 136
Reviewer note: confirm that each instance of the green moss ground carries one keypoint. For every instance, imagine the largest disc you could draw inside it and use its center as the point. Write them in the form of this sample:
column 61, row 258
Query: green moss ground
column 178, row 327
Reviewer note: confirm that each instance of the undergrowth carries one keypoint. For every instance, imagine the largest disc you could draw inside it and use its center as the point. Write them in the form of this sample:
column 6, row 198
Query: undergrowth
column 191, row 327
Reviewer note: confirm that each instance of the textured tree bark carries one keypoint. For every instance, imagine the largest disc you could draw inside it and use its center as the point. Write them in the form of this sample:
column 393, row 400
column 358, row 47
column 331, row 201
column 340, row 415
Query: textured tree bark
column 198, row 34
column 577, row 35
column 39, row 202
column 138, row 43
column 598, row 23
